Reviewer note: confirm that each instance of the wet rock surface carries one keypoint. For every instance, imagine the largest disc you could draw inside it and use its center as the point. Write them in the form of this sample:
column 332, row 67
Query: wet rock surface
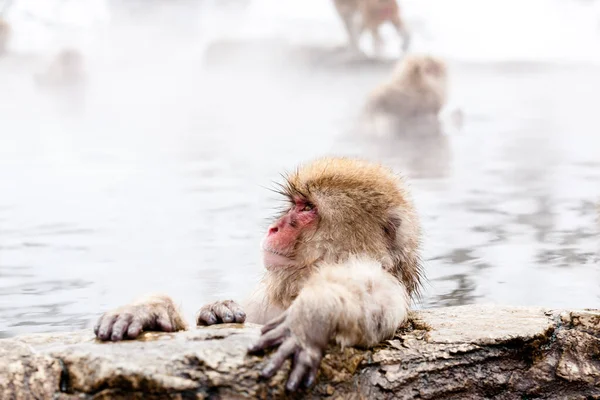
column 468, row 352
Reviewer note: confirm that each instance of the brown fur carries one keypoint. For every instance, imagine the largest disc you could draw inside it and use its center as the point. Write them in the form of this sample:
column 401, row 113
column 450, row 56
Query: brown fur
column 5, row 33
column 372, row 14
column 417, row 88
column 351, row 273
column 361, row 206
column 377, row 12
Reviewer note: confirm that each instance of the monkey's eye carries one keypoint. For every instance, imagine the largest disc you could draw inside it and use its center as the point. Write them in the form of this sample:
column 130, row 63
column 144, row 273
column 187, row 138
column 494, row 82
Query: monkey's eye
column 307, row 207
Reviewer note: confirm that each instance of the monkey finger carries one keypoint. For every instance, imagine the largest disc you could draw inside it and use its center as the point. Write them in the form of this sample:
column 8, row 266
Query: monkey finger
column 106, row 328
column 270, row 339
column 238, row 312
column 120, row 327
column 98, row 324
column 206, row 317
column 296, row 377
column 284, row 352
column 274, row 322
column 311, row 377
column 223, row 312
column 240, row 316
column 163, row 322
column 295, row 358
column 135, row 329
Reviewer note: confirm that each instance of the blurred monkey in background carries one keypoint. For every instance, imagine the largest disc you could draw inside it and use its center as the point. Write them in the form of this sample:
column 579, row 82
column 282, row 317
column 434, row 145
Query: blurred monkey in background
column 361, row 15
column 417, row 89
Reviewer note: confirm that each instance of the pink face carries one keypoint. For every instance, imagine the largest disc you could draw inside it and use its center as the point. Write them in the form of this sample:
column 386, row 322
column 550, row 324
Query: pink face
column 280, row 241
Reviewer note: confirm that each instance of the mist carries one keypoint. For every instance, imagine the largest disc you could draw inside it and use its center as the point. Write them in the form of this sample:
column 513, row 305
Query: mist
column 153, row 178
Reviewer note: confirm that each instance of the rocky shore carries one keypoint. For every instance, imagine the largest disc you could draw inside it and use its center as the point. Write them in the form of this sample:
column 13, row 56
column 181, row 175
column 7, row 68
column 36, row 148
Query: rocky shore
column 467, row 352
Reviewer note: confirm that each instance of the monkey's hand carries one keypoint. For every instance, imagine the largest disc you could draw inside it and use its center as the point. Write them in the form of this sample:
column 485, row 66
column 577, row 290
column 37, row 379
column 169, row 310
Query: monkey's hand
column 220, row 312
column 154, row 313
column 305, row 345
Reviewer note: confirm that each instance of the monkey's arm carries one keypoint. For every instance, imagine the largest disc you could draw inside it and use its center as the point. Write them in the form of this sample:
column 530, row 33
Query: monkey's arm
column 354, row 303
column 150, row 313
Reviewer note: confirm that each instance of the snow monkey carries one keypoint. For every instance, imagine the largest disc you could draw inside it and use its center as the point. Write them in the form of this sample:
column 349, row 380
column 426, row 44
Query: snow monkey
column 417, row 88
column 341, row 266
column 5, row 32
column 372, row 14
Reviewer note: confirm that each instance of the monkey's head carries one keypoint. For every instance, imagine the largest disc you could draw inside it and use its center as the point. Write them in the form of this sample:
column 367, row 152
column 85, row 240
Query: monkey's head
column 338, row 207
column 422, row 69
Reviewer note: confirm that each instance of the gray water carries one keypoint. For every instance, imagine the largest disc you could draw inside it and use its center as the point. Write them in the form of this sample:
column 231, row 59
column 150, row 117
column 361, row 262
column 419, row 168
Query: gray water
column 159, row 180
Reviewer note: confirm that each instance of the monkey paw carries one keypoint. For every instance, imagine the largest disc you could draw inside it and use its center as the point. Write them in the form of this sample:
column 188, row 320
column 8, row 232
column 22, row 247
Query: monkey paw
column 305, row 358
column 220, row 312
column 129, row 321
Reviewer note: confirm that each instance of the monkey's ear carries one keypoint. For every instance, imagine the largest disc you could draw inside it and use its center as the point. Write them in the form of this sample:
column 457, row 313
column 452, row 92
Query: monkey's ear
column 391, row 227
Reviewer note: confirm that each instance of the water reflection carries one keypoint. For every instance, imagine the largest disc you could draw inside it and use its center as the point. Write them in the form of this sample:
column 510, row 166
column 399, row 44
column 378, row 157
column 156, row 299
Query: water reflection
column 463, row 293
column 160, row 184
column 421, row 150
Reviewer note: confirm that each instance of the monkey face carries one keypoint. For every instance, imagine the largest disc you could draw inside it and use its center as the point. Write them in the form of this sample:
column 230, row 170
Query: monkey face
column 280, row 243
column 337, row 207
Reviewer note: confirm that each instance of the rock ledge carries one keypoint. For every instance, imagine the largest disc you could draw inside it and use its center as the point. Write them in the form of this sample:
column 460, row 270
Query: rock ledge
column 468, row 352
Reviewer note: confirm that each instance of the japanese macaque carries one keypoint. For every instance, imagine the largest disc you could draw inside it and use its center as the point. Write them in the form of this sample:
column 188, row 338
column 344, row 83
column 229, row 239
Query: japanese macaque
column 341, row 266
column 65, row 70
column 371, row 15
column 5, row 33
column 417, row 88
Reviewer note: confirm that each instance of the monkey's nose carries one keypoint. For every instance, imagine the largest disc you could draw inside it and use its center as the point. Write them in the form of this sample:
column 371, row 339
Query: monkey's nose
column 273, row 230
